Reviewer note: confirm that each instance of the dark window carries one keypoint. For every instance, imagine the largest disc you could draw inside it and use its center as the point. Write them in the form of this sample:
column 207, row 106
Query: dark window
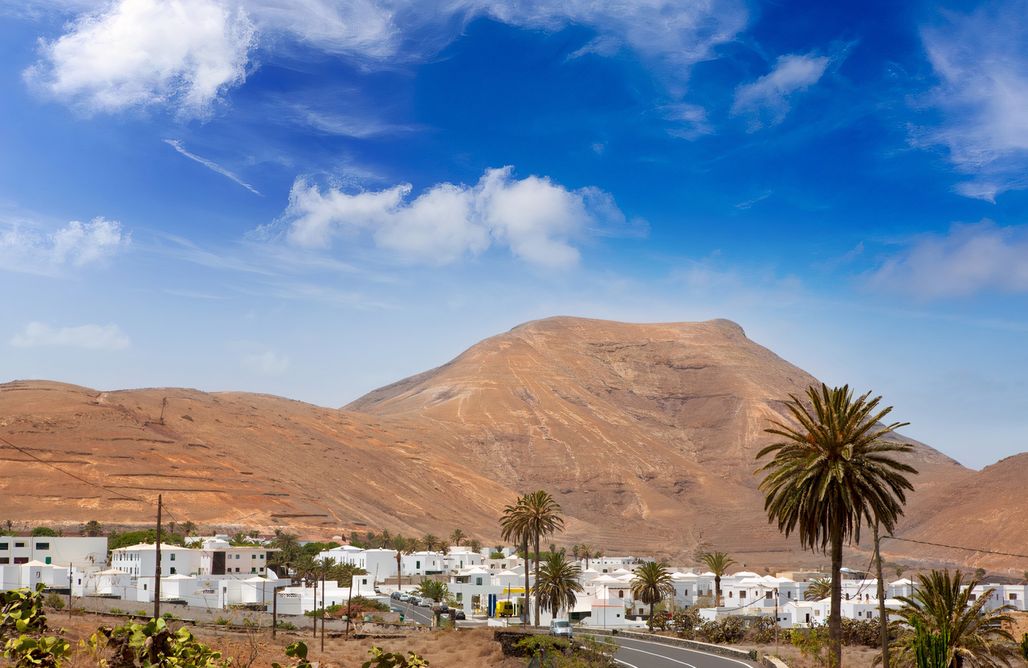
column 21, row 560
column 19, row 544
column 1013, row 596
column 42, row 546
column 5, row 546
column 172, row 570
column 5, row 560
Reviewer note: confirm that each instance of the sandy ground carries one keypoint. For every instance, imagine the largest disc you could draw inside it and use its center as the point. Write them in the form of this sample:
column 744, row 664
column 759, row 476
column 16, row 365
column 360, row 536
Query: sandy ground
column 443, row 649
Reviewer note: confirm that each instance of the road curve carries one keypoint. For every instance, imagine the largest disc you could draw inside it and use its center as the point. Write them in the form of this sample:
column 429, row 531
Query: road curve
column 415, row 613
column 636, row 653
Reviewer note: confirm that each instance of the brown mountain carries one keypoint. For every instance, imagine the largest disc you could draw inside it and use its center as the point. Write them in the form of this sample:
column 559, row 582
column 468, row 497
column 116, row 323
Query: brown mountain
column 645, row 433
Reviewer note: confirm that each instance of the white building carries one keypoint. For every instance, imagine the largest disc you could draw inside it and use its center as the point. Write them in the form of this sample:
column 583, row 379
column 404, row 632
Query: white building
column 83, row 552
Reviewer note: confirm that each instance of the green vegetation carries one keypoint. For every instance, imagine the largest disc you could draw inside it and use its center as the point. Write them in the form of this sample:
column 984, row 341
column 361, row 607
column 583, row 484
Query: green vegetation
column 54, row 601
column 91, row 528
column 127, row 538
column 831, row 472
column 819, row 588
column 718, row 564
column 433, row 589
column 298, row 651
column 1023, row 646
column 383, row 659
column 23, row 627
column 651, row 584
column 560, row 653
column 526, row 521
column 558, row 583
column 44, row 531
column 151, row 644
column 941, row 607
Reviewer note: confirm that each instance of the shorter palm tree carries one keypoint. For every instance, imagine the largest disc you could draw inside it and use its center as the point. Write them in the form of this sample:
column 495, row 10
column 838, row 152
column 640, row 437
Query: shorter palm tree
column 402, row 546
column 820, row 588
column 558, row 583
column 717, row 563
column 942, row 605
column 430, row 542
column 457, row 537
column 651, row 584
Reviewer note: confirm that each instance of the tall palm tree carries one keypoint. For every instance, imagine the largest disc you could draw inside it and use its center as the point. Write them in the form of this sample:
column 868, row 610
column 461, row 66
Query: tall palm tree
column 831, row 472
column 585, row 552
column 430, row 541
column 457, row 537
column 402, row 546
column 820, row 588
column 651, row 584
column 943, row 604
column 558, row 583
column 718, row 564
column 533, row 516
column 475, row 545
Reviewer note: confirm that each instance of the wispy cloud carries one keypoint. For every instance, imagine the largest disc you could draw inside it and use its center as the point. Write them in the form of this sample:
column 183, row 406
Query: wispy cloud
column 767, row 100
column 344, row 125
column 89, row 337
column 981, row 60
column 25, row 248
column 210, row 164
column 968, row 260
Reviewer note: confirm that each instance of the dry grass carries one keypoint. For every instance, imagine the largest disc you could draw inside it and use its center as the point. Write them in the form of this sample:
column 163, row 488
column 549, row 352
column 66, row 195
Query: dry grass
column 443, row 649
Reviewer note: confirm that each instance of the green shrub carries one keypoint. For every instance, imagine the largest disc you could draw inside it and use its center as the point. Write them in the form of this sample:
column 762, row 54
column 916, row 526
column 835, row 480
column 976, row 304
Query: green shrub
column 221, row 621
column 285, row 626
column 44, row 531
column 722, row 631
column 21, row 612
column 31, row 652
column 152, row 644
column 298, row 651
column 54, row 601
column 382, row 659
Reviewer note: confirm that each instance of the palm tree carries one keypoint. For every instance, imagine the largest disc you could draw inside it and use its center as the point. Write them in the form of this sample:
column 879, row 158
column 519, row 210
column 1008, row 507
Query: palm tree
column 402, row 546
column 92, row 528
column 558, row 583
column 820, row 588
column 475, row 545
column 585, row 552
column 830, row 474
column 533, row 516
column 942, row 604
column 652, row 584
column 575, row 551
column 717, row 563
column 430, row 542
column 457, row 537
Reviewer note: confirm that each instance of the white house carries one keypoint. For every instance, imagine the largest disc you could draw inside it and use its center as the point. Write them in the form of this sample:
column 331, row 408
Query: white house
column 83, row 552
column 423, row 563
column 141, row 560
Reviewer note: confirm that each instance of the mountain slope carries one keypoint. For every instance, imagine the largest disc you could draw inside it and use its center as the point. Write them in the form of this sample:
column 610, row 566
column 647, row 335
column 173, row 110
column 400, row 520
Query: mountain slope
column 645, row 433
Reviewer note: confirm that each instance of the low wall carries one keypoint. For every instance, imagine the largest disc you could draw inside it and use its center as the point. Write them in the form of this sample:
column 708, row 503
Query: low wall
column 773, row 662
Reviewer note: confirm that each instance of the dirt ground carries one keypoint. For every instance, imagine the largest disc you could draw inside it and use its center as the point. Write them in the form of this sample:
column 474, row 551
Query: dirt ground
column 443, row 649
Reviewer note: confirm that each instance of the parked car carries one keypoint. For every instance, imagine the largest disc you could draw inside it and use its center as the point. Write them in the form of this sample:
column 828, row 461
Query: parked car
column 441, row 609
column 426, row 602
column 396, row 596
column 560, row 628
column 456, row 614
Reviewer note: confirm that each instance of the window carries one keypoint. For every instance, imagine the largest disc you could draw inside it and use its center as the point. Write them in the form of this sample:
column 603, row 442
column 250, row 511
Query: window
column 237, row 556
column 253, row 556
column 1013, row 596
column 972, row 597
column 790, row 594
column 253, row 570
column 768, row 595
column 5, row 546
column 173, row 556
column 731, row 594
column 172, row 570
column 21, row 560
column 621, row 593
column 742, row 594
column 5, row 560
column 42, row 546
column 19, row 544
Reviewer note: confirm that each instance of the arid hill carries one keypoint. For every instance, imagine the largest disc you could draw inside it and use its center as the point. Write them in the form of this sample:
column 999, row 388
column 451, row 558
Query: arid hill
column 645, row 433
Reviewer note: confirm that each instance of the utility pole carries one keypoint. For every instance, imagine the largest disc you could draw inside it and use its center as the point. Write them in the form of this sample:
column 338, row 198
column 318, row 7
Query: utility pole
column 349, row 594
column 882, row 613
column 315, row 587
column 157, row 565
column 274, row 612
column 324, row 609
column 71, row 580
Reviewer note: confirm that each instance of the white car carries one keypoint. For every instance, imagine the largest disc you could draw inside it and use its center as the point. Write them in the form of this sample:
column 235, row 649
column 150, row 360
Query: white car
column 560, row 628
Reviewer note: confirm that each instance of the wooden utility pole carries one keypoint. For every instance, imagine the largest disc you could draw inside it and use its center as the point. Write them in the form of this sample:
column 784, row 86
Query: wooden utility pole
column 324, row 609
column 157, row 565
column 71, row 581
column 883, row 614
column 274, row 612
column 349, row 594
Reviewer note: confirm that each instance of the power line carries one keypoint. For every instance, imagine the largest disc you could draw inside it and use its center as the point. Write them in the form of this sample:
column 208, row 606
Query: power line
column 957, row 547
column 68, row 473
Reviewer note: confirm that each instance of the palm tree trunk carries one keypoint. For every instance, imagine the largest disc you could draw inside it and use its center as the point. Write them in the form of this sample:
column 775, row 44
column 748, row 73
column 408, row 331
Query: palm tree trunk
column 882, row 614
column 717, row 591
column 835, row 616
column 524, row 612
column 399, row 579
column 537, row 599
column 651, row 617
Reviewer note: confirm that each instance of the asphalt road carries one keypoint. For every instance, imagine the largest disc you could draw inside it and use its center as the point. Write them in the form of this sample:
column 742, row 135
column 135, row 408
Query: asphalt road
column 414, row 613
column 634, row 653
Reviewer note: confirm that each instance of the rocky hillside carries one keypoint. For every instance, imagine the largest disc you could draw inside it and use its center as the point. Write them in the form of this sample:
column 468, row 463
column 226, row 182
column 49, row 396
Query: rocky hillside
column 645, row 433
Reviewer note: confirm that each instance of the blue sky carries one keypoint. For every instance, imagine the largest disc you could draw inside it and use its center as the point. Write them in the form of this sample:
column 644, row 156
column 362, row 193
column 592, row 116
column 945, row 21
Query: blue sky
column 314, row 198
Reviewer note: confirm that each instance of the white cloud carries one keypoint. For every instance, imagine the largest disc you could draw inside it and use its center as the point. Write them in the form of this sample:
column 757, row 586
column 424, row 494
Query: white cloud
column 209, row 164
column 133, row 53
column 265, row 363
column 767, row 100
column 77, row 244
column 969, row 259
column 535, row 218
column 90, row 337
column 981, row 60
